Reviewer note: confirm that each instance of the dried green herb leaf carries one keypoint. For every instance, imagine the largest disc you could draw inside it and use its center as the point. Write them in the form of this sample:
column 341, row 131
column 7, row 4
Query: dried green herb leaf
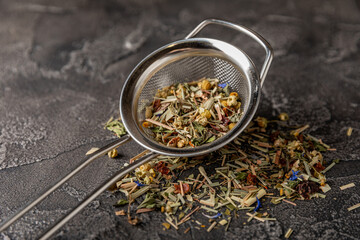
column 226, row 90
column 149, row 199
column 121, row 202
column 116, row 127
column 227, row 212
column 336, row 160
column 320, row 147
column 213, row 138
column 292, row 184
column 241, row 175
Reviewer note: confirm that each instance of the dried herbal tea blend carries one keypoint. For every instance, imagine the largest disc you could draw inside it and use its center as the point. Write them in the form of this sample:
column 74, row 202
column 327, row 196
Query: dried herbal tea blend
column 192, row 114
column 270, row 161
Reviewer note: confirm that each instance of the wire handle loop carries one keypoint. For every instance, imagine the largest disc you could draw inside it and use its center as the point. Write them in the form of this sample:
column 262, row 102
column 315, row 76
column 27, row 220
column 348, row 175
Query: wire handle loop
column 254, row 35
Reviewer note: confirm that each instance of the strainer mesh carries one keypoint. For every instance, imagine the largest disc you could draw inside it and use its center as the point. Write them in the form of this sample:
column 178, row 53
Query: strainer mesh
column 193, row 68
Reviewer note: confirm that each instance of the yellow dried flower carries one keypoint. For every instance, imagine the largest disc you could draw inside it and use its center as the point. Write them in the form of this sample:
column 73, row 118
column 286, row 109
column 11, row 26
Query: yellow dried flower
column 232, row 101
column 181, row 143
column 224, row 103
column 178, row 122
column 231, row 125
column 146, row 124
column 168, row 209
column 322, row 182
column 148, row 180
column 161, row 93
column 262, row 122
column 152, row 172
column 234, row 94
column 283, row 116
column 180, row 91
column 113, row 153
column 166, row 225
column 202, row 120
column 205, row 85
column 149, row 112
column 206, row 113
column 145, row 167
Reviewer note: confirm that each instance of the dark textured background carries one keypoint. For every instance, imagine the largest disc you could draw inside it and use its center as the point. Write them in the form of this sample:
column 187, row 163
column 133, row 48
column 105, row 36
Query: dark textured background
column 62, row 66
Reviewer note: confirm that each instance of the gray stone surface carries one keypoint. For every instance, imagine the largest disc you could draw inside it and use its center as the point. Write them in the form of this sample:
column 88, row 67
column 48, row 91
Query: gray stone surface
column 62, row 66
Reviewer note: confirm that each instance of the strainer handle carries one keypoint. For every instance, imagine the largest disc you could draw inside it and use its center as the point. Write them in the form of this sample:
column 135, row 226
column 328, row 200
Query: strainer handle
column 108, row 183
column 254, row 35
column 102, row 151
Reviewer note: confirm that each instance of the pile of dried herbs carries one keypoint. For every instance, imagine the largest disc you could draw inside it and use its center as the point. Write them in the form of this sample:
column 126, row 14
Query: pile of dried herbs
column 269, row 160
column 192, row 114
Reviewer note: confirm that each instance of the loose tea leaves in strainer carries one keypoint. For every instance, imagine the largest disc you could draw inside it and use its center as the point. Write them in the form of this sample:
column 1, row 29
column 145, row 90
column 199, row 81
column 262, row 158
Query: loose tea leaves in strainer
column 192, row 114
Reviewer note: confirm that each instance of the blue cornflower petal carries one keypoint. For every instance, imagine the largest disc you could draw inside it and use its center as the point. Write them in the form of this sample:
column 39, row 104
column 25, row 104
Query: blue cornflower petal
column 139, row 184
column 222, row 85
column 212, row 217
column 258, row 205
column 294, row 177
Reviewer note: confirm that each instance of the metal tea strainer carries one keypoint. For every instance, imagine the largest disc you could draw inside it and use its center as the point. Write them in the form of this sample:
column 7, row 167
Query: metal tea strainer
column 181, row 61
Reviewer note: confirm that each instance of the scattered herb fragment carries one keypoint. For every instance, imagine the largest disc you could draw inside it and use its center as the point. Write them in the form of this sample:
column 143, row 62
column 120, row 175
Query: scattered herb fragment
column 166, row 225
column 266, row 155
column 288, row 233
column 116, row 127
column 113, row 153
column 350, row 185
column 354, row 207
column 121, row 202
column 91, row 151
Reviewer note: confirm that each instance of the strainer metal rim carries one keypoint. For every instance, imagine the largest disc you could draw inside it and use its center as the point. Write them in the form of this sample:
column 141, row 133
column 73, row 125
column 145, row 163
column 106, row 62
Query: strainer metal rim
column 232, row 53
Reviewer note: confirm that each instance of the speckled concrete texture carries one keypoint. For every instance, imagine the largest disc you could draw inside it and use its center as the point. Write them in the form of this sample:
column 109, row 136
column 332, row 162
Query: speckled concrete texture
column 63, row 64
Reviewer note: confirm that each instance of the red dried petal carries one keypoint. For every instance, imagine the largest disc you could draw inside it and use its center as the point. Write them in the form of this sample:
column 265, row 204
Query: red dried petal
column 156, row 105
column 216, row 128
column 319, row 167
column 251, row 179
column 226, row 121
column 162, row 168
column 186, row 188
